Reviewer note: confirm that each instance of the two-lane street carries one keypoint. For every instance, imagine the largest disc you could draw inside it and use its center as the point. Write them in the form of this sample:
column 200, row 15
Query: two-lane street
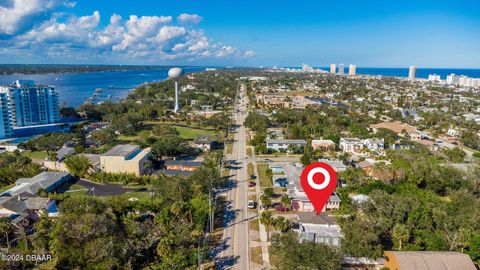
column 235, row 233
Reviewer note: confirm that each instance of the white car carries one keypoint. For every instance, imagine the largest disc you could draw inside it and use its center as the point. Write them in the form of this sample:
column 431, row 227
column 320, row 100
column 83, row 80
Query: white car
column 251, row 204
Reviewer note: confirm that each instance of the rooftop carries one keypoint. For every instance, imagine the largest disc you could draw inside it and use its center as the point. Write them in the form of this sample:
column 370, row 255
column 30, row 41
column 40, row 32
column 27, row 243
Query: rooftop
column 430, row 260
column 287, row 141
column 313, row 218
column 203, row 139
column 122, row 150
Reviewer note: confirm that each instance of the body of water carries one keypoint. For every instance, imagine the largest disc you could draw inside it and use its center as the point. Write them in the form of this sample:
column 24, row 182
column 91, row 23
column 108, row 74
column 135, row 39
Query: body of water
column 75, row 88
column 420, row 73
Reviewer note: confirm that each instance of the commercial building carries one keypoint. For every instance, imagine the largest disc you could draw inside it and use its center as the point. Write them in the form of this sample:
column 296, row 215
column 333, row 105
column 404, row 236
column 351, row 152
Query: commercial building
column 341, row 69
column 333, row 68
column 412, row 73
column 31, row 104
column 434, row 78
column 5, row 123
column 125, row 159
column 352, row 70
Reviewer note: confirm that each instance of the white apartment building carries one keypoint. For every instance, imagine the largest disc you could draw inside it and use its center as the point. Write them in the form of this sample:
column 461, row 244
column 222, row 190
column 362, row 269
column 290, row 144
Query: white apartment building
column 352, row 70
column 32, row 104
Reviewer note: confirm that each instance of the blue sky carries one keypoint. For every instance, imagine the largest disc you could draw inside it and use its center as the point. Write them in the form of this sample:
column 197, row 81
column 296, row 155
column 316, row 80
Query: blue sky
column 387, row 33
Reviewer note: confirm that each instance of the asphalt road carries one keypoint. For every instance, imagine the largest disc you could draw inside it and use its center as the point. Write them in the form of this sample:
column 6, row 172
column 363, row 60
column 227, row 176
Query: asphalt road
column 235, row 234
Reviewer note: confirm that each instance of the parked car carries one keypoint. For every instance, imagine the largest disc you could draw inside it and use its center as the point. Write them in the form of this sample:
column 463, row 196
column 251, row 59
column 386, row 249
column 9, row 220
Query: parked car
column 253, row 176
column 251, row 204
column 252, row 184
column 280, row 208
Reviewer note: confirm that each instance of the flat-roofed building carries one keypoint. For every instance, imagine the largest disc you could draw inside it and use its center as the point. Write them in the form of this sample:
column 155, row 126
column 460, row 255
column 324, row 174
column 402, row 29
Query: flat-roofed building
column 125, row 158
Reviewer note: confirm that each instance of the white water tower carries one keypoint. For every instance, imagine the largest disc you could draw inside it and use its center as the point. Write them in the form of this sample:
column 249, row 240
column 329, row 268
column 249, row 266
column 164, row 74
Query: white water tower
column 174, row 74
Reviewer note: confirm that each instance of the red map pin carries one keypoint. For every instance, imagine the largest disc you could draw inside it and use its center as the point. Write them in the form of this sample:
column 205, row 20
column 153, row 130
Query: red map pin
column 318, row 181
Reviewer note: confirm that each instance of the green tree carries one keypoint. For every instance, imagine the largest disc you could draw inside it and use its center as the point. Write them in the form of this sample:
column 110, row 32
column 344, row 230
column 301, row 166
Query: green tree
column 286, row 201
column 78, row 165
column 266, row 201
column 267, row 220
column 400, row 233
column 105, row 136
column 291, row 254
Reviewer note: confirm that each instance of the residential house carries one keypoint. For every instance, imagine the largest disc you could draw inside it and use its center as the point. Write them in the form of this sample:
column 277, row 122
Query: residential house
column 64, row 152
column 351, row 145
column 427, row 260
column 24, row 208
column 337, row 165
column 453, row 132
column 203, row 142
column 125, row 159
column 319, row 229
column 49, row 181
column 301, row 203
column 283, row 145
column 374, row 145
column 324, row 145
column 366, row 166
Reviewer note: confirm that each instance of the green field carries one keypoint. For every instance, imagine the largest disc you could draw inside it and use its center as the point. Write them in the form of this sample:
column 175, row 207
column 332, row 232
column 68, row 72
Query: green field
column 38, row 155
column 191, row 133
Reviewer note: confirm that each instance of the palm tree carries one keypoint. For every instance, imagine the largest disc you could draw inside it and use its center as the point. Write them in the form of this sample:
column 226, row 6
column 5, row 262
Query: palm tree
column 401, row 233
column 266, row 201
column 281, row 223
column 78, row 165
column 286, row 201
column 267, row 220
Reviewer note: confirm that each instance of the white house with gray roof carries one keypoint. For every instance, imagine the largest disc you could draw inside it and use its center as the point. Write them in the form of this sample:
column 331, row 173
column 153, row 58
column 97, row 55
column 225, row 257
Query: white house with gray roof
column 319, row 229
column 283, row 145
column 48, row 181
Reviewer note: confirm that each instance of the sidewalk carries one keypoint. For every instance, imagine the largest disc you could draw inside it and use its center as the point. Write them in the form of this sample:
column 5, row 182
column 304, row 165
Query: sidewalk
column 263, row 231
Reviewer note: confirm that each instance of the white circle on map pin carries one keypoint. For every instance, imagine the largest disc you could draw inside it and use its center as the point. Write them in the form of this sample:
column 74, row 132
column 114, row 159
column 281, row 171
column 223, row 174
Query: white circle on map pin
column 315, row 185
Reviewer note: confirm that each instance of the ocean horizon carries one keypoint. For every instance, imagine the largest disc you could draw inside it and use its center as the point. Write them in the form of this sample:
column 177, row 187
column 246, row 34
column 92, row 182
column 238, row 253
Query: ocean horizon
column 75, row 88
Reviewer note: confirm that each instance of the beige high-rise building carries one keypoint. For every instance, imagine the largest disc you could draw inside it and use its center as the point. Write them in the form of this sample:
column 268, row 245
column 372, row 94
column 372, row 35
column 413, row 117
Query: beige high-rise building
column 352, row 70
column 125, row 159
column 333, row 68
column 412, row 73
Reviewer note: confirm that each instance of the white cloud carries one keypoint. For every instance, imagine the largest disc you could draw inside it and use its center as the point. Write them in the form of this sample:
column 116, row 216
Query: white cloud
column 138, row 38
column 19, row 15
column 189, row 18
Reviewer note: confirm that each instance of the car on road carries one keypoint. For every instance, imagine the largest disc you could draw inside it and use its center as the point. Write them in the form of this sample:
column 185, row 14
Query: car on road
column 252, row 204
column 251, row 184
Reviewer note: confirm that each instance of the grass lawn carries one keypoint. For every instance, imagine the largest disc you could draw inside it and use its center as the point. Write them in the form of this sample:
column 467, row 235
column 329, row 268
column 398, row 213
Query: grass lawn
column 262, row 175
column 229, row 147
column 36, row 154
column 191, row 133
column 250, row 169
column 256, row 254
column 5, row 188
column 249, row 151
column 76, row 187
column 254, row 225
